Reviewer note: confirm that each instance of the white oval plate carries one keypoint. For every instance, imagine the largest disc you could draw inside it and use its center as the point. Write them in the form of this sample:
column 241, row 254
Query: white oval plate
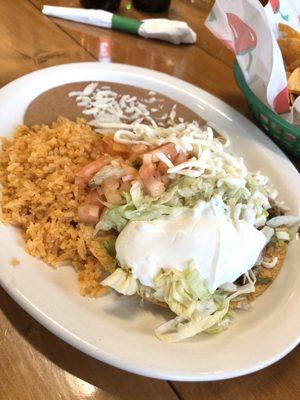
column 117, row 330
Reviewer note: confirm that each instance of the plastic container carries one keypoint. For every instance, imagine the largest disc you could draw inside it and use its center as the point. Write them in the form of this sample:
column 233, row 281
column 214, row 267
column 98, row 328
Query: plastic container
column 285, row 134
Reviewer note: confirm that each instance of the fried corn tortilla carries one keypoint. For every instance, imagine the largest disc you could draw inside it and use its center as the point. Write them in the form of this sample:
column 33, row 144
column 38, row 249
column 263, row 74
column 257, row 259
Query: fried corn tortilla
column 290, row 49
column 294, row 81
column 288, row 32
column 96, row 246
column 289, row 44
column 267, row 275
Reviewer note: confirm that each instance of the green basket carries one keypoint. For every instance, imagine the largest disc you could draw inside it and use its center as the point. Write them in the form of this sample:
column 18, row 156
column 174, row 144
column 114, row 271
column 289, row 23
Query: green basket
column 285, row 134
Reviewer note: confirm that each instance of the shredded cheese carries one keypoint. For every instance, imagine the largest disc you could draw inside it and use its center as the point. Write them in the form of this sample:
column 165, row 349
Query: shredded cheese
column 269, row 264
column 207, row 156
column 108, row 107
column 162, row 157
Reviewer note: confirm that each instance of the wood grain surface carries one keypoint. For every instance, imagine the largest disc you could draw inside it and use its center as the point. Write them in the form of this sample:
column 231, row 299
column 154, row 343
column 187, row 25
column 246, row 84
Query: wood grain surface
column 34, row 364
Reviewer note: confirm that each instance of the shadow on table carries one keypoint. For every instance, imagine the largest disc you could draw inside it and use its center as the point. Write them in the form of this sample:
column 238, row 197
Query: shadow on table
column 270, row 383
column 116, row 382
column 279, row 381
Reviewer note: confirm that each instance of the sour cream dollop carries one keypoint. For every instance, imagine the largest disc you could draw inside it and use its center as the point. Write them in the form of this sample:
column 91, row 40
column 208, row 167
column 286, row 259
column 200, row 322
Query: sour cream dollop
column 206, row 235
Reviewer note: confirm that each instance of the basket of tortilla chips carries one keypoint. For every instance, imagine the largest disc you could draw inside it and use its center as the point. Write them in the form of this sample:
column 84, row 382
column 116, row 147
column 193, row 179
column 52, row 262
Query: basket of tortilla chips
column 286, row 134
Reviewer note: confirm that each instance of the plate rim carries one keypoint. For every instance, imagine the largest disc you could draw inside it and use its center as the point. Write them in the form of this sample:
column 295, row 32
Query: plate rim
column 78, row 344
column 75, row 341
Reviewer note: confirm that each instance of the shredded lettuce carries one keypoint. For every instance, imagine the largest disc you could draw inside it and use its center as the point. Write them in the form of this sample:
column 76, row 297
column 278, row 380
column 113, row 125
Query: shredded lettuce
column 122, row 281
column 243, row 198
column 222, row 324
column 185, row 293
column 196, row 284
column 136, row 193
column 117, row 217
column 114, row 218
column 211, row 315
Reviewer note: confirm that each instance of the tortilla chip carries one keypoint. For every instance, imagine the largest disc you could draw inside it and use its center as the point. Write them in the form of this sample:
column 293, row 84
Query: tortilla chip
column 294, row 81
column 292, row 97
column 289, row 44
column 290, row 49
column 288, row 31
column 266, row 275
column 277, row 249
column 295, row 64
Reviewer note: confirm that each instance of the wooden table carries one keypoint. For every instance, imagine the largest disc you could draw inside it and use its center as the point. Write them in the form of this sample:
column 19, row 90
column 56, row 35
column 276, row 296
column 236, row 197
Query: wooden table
column 34, row 364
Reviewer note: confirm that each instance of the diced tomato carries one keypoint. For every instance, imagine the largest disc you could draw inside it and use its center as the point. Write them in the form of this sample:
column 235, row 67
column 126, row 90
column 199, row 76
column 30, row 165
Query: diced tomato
column 136, row 152
column 87, row 172
column 111, row 182
column 120, row 147
column 89, row 213
column 108, row 143
column 115, row 148
column 154, row 187
column 80, row 181
column 147, row 171
column 109, row 149
column 133, row 157
column 162, row 167
column 93, row 198
column 125, row 187
column 130, row 173
column 100, row 148
column 182, row 157
column 129, row 169
column 139, row 148
column 110, row 189
column 169, row 149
